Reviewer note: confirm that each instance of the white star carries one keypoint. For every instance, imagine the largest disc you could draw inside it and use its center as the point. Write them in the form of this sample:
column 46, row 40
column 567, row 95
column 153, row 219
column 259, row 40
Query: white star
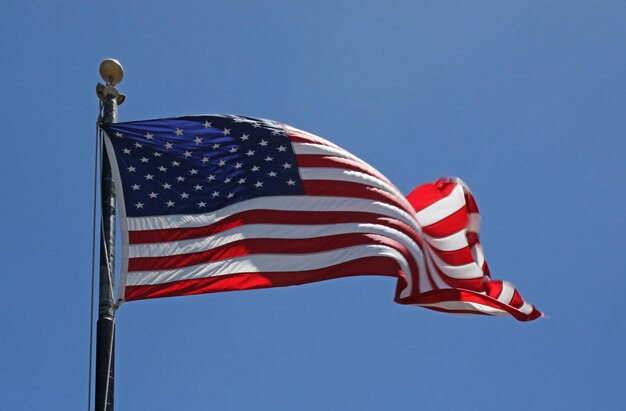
column 180, row 179
column 206, row 124
column 222, row 163
column 256, row 125
column 126, row 151
column 131, row 169
column 149, row 176
column 263, row 143
column 170, row 203
column 244, row 137
column 184, row 195
column 198, row 187
column 275, row 132
column 175, row 163
column 187, row 154
column 238, row 166
column 272, row 174
column 215, row 194
column 164, row 169
column 250, row 153
column 286, row 166
column 237, row 119
column 258, row 184
column 227, row 180
column 241, row 180
column 179, row 132
column 139, row 205
column 281, row 148
column 291, row 183
column 255, row 168
column 198, row 140
column 144, row 159
column 226, row 131
column 230, row 195
column 149, row 136
column 136, row 187
column 233, row 149
column 138, row 145
column 157, row 154
column 153, row 195
column 201, row 204
column 211, row 177
column 118, row 134
column 167, row 186
column 215, row 146
column 169, row 146
column 268, row 158
column 193, row 171
column 205, row 160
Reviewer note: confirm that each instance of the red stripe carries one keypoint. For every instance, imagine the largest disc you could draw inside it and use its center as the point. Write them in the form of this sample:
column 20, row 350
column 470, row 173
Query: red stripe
column 269, row 217
column 248, row 247
column 493, row 288
column 298, row 137
column 328, row 161
column 366, row 266
column 461, row 256
column 450, row 311
column 474, row 284
column 517, row 300
column 470, row 202
column 472, row 238
column 449, row 225
column 349, row 189
column 439, row 296
column 428, row 194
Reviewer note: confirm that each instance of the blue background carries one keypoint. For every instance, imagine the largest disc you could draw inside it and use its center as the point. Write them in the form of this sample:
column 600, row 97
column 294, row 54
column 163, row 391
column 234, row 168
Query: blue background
column 523, row 100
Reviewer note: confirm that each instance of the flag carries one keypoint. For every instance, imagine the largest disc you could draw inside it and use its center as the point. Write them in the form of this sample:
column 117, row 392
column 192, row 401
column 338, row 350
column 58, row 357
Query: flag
column 221, row 203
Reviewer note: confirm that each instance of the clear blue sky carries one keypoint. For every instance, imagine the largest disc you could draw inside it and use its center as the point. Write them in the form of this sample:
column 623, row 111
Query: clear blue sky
column 523, row 100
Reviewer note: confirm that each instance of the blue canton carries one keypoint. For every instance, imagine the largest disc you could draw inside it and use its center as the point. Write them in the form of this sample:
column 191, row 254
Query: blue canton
column 190, row 165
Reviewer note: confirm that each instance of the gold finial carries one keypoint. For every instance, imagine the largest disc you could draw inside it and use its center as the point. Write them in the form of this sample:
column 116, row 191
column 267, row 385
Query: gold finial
column 111, row 71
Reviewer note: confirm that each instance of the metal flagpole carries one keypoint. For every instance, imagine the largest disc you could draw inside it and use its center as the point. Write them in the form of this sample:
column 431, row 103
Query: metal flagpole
column 112, row 73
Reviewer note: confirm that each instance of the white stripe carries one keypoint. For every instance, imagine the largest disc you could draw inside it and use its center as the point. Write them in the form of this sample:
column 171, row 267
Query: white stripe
column 473, row 222
column 464, row 272
column 305, row 134
column 507, row 292
column 452, row 242
column 338, row 174
column 439, row 282
column 442, row 208
column 269, row 231
column 526, row 308
column 278, row 203
column 318, row 149
column 322, row 150
column 283, row 231
column 467, row 306
column 266, row 263
column 478, row 255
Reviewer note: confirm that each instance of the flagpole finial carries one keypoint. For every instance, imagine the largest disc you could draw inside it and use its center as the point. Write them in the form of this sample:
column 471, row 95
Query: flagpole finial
column 111, row 71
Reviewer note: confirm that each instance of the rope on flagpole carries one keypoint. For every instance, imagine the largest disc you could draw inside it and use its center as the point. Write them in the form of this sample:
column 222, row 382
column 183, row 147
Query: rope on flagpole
column 108, row 261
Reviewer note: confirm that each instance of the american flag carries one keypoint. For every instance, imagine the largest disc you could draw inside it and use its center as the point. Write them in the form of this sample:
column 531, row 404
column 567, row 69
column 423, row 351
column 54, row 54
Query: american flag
column 220, row 203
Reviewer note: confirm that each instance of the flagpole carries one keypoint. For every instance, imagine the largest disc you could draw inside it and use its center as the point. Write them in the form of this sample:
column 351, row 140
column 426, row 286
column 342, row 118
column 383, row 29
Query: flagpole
column 112, row 73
